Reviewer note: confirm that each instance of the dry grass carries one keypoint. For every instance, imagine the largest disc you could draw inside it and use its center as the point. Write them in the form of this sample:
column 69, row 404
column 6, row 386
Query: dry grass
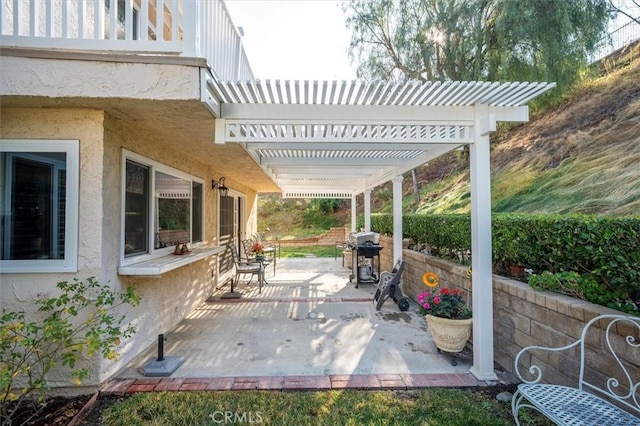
column 582, row 157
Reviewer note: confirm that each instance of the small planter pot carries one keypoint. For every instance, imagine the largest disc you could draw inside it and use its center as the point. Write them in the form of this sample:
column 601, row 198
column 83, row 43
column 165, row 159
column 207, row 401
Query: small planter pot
column 449, row 335
column 516, row 271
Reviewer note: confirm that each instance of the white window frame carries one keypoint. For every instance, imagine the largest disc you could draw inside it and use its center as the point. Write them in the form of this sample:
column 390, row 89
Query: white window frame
column 72, row 150
column 154, row 166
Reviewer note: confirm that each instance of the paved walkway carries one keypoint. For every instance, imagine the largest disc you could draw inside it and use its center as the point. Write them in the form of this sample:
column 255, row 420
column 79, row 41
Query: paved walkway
column 309, row 329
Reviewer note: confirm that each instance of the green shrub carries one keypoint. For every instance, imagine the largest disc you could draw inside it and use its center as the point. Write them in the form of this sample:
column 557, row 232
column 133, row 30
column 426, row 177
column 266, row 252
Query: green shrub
column 319, row 213
column 316, row 219
column 80, row 322
column 569, row 283
column 604, row 248
column 583, row 287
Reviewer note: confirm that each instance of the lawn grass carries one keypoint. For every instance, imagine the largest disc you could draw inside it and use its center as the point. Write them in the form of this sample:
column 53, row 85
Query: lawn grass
column 347, row 407
column 303, row 251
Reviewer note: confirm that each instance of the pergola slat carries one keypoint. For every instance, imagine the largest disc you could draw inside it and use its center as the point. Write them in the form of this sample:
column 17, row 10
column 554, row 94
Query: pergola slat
column 441, row 118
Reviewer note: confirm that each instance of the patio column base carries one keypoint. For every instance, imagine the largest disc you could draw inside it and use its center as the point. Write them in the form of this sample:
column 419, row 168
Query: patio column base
column 231, row 295
column 164, row 368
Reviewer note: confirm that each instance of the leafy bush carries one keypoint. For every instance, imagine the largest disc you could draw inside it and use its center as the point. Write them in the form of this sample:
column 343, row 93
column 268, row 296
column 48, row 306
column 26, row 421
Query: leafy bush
column 583, row 287
column 569, row 283
column 319, row 213
column 316, row 219
column 604, row 248
column 449, row 234
column 81, row 321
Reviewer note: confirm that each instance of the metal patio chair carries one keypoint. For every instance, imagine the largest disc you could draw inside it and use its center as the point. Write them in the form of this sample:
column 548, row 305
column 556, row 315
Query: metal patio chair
column 245, row 266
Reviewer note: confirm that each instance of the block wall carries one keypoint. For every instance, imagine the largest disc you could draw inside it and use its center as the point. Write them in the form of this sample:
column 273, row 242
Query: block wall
column 523, row 317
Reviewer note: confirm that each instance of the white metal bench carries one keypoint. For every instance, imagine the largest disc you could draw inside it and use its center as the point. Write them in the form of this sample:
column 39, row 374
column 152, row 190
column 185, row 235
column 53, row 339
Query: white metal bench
column 589, row 403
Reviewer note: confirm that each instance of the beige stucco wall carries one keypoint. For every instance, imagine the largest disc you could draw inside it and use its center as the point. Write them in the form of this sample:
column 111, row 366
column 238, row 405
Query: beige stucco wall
column 18, row 291
column 97, row 79
column 165, row 300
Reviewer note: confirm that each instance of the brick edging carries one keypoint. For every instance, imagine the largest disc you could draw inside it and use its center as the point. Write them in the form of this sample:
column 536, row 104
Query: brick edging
column 284, row 383
column 291, row 299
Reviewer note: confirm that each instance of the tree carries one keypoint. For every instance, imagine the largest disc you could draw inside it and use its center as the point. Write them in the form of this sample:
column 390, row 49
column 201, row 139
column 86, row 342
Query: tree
column 475, row 39
column 481, row 40
column 627, row 9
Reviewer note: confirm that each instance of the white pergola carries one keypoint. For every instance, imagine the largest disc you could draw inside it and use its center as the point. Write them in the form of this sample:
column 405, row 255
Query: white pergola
column 331, row 139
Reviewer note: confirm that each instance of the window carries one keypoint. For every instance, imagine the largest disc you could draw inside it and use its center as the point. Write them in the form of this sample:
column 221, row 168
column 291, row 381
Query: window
column 162, row 207
column 39, row 205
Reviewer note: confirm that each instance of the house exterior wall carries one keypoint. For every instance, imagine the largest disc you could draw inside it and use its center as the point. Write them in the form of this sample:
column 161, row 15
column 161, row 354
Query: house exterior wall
column 165, row 300
column 97, row 79
column 18, row 291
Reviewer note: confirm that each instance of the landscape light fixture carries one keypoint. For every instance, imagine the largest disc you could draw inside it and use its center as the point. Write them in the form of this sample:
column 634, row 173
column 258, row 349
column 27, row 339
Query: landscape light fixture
column 219, row 185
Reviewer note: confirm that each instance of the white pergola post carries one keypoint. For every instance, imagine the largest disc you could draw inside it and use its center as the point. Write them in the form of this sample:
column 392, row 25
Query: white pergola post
column 367, row 210
column 397, row 218
column 354, row 213
column 482, row 301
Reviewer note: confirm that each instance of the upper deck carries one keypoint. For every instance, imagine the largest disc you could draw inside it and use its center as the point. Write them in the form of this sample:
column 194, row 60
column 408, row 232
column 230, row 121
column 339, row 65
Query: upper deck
column 185, row 28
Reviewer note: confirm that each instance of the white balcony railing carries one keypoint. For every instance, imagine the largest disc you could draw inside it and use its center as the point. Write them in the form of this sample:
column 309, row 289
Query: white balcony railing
column 164, row 27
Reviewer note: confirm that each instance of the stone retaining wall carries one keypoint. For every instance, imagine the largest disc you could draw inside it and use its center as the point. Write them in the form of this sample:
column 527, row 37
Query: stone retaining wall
column 523, row 317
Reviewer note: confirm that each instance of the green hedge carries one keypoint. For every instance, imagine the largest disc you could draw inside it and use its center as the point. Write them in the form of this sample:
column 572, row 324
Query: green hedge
column 606, row 249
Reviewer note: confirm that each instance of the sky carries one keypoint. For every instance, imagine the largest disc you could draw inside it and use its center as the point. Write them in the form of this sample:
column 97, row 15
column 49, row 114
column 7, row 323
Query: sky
column 294, row 39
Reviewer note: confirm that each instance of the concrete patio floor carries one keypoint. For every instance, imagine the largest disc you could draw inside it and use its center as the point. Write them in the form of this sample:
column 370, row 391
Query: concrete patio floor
column 309, row 329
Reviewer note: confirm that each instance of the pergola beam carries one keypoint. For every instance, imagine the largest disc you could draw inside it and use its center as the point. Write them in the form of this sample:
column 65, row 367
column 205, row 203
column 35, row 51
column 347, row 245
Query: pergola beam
column 367, row 114
column 379, row 114
column 345, row 146
column 355, row 163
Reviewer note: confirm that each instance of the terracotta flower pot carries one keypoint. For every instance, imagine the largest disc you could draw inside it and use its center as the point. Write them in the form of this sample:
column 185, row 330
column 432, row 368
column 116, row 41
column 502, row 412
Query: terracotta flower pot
column 449, row 335
column 516, row 271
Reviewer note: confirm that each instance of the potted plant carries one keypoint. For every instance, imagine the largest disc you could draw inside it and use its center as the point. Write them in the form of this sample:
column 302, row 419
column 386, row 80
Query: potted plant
column 448, row 316
column 511, row 248
column 257, row 250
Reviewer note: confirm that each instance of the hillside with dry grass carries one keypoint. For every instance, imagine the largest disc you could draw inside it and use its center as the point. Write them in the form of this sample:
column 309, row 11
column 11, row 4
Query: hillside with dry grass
column 582, row 156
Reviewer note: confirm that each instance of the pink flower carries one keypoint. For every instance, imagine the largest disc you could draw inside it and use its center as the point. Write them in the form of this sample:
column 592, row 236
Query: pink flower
column 426, row 305
column 436, row 300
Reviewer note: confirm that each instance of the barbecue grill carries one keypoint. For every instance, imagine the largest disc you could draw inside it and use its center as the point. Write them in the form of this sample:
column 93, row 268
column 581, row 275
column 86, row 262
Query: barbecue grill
column 365, row 258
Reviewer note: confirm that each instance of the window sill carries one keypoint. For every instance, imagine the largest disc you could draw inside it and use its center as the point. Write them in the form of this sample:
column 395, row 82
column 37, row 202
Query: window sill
column 158, row 266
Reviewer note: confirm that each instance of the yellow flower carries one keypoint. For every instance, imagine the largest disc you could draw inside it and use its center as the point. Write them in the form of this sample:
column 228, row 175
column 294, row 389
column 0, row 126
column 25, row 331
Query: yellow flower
column 430, row 279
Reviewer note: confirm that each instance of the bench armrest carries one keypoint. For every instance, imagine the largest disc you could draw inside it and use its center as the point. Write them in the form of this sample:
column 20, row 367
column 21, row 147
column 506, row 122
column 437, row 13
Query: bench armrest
column 535, row 370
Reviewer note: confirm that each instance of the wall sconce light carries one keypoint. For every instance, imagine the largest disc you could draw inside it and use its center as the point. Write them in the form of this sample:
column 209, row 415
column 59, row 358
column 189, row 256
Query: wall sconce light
column 219, row 185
